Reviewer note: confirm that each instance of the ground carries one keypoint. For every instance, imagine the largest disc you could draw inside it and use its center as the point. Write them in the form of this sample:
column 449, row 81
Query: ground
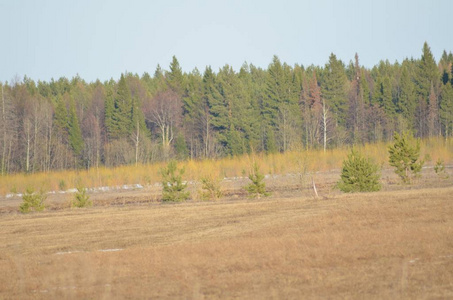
column 391, row 244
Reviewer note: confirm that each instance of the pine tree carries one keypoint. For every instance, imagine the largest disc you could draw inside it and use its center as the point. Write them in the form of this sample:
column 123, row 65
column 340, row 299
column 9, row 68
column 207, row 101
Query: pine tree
column 257, row 187
column 359, row 174
column 405, row 156
column 173, row 189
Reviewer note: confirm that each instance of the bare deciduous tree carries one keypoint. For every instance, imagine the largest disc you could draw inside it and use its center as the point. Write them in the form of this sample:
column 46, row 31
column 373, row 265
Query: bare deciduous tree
column 164, row 111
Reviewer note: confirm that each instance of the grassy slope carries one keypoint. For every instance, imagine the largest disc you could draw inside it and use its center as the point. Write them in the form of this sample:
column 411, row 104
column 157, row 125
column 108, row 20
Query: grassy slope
column 392, row 244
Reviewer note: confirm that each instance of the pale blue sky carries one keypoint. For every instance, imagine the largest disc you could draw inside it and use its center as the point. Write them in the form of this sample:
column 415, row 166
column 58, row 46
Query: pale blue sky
column 101, row 39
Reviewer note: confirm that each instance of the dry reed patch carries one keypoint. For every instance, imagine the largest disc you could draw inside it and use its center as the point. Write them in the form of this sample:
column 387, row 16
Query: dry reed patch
column 297, row 161
column 381, row 245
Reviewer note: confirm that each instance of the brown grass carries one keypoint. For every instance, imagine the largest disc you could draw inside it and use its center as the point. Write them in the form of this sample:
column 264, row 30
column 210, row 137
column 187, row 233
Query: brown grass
column 387, row 245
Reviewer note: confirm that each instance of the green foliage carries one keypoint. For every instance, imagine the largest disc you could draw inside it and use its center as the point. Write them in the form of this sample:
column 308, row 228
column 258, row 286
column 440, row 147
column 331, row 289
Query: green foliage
column 211, row 188
column 359, row 174
column 181, row 147
column 223, row 112
column 32, row 201
column 173, row 189
column 257, row 188
column 446, row 109
column 404, row 156
column 334, row 88
column 118, row 111
column 62, row 185
column 74, row 132
column 439, row 168
column 61, row 117
column 81, row 199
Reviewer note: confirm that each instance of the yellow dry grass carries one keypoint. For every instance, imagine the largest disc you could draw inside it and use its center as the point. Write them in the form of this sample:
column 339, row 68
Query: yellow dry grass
column 280, row 163
column 387, row 245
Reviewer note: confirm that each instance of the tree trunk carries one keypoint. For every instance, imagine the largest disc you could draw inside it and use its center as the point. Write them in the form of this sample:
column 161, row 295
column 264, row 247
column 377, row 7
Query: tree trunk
column 324, row 123
column 137, row 139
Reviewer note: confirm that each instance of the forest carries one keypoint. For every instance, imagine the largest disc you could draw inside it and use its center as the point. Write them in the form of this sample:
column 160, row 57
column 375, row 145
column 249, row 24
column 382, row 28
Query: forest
column 73, row 124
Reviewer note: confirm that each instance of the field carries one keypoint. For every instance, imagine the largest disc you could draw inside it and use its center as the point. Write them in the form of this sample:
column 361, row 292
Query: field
column 395, row 243
column 392, row 244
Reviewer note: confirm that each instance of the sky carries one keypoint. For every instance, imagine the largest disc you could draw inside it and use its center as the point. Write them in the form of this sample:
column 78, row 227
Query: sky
column 101, row 39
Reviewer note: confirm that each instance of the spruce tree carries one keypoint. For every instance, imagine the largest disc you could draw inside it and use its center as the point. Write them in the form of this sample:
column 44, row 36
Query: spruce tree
column 61, row 117
column 406, row 101
column 334, row 88
column 446, row 109
column 218, row 111
column 427, row 73
column 74, row 132
column 175, row 78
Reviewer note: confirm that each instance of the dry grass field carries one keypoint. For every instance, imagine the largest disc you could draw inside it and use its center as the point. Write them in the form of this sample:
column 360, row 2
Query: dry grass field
column 394, row 244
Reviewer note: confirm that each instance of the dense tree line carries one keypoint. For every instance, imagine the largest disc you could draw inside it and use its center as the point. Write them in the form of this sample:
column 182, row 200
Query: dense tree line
column 140, row 119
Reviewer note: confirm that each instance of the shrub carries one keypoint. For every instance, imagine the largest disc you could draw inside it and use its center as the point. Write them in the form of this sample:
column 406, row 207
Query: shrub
column 32, row 201
column 211, row 188
column 62, row 185
column 404, row 156
column 173, row 189
column 439, row 168
column 257, row 188
column 81, row 199
column 359, row 174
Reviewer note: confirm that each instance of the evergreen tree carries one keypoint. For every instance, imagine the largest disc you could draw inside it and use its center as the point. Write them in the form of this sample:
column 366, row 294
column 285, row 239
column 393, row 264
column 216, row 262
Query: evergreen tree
column 173, row 189
column 334, row 88
column 175, row 77
column 74, row 132
column 405, row 155
column 359, row 174
column 279, row 108
column 61, row 117
column 193, row 112
column 427, row 73
column 387, row 98
column 406, row 103
column 249, row 114
column 218, row 110
column 118, row 111
column 257, row 187
column 446, row 109
column 433, row 113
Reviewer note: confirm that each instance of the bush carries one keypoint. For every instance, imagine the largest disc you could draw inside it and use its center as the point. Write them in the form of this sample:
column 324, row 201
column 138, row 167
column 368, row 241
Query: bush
column 439, row 168
column 32, row 201
column 404, row 156
column 257, row 188
column 359, row 174
column 173, row 189
column 211, row 188
column 81, row 199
